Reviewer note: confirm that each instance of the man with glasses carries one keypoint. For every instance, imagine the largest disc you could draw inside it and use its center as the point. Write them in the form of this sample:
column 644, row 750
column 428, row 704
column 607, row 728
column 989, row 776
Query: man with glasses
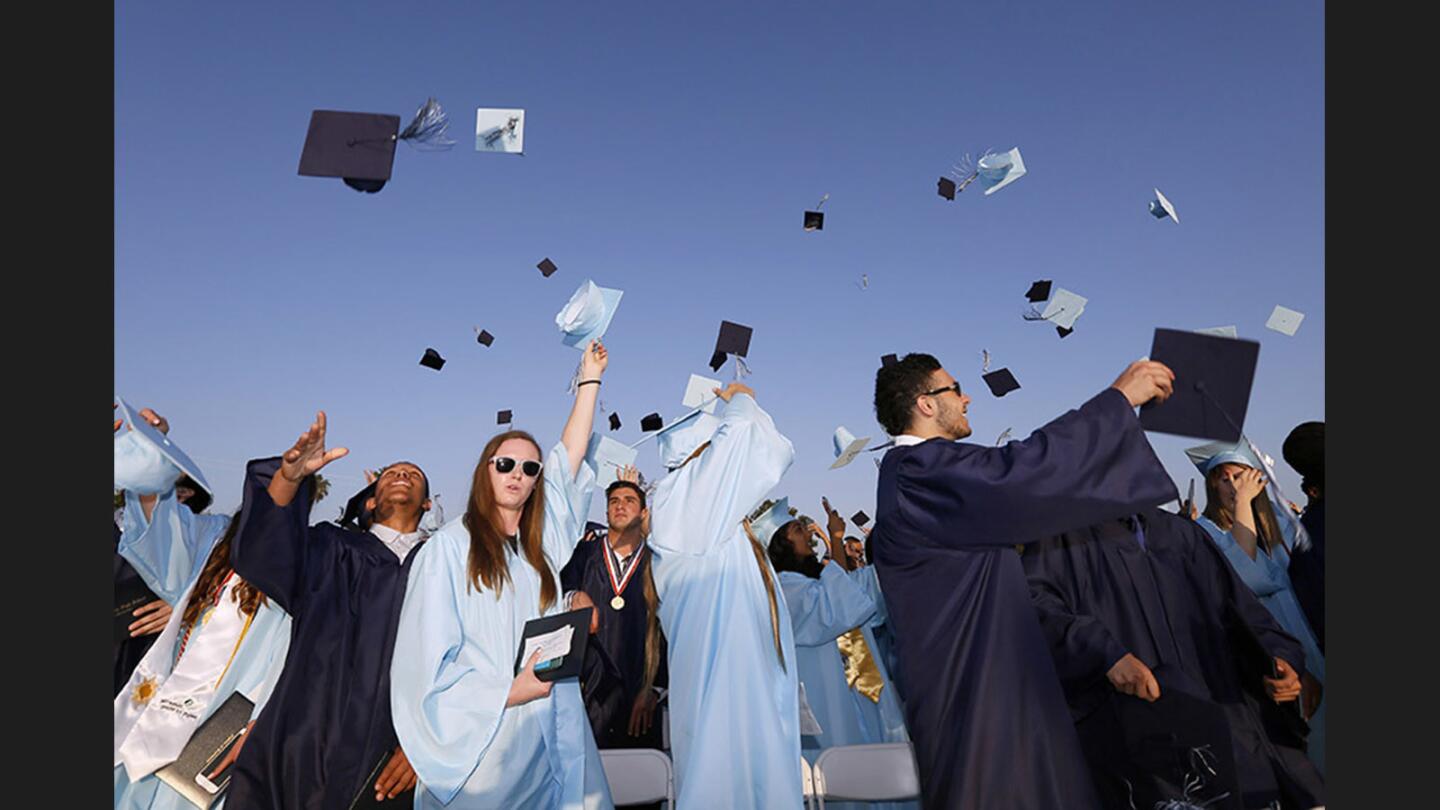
column 982, row 700
column 326, row 735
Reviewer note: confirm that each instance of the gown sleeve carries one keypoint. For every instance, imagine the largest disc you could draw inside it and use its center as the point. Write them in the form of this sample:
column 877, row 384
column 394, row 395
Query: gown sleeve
column 822, row 610
column 275, row 549
column 170, row 548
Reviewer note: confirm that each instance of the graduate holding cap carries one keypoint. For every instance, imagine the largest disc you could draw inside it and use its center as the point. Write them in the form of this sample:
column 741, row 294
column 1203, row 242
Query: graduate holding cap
column 479, row 735
column 983, row 704
column 223, row 637
column 734, row 689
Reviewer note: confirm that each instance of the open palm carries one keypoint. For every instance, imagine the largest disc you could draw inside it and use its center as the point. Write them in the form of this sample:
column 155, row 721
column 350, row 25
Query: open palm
column 308, row 455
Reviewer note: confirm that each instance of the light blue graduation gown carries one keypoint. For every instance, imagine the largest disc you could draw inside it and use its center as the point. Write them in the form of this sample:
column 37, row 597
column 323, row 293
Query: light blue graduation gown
column 454, row 662
column 168, row 551
column 1267, row 576
column 734, row 712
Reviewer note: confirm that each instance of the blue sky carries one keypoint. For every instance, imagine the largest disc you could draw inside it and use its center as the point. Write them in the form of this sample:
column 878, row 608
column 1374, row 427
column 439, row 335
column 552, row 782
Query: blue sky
column 670, row 152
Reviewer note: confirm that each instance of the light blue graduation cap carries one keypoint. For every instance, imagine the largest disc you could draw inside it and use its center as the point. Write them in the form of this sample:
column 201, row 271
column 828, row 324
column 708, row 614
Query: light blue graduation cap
column 1207, row 457
column 847, row 447
column 587, row 314
column 1064, row 307
column 606, row 456
column 770, row 522
column 1161, row 208
column 998, row 170
column 680, row 438
column 146, row 461
column 700, row 393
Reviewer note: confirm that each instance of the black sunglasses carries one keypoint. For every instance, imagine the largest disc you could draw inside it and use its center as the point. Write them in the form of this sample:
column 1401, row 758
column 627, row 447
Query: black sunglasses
column 504, row 464
column 955, row 386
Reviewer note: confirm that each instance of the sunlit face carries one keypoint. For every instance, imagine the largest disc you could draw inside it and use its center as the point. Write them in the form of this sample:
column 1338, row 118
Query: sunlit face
column 799, row 538
column 950, row 407
column 623, row 509
column 513, row 488
column 854, row 549
column 1225, row 484
column 400, row 486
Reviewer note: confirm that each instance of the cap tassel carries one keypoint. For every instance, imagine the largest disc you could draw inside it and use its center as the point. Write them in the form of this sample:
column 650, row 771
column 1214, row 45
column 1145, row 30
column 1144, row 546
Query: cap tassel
column 427, row 130
column 741, row 370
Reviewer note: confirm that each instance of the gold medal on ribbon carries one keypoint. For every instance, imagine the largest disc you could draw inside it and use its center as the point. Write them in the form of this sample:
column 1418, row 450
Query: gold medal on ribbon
column 618, row 603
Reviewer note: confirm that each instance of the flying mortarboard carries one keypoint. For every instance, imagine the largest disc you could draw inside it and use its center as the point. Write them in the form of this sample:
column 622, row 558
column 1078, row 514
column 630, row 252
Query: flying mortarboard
column 1039, row 291
column 360, row 147
column 606, row 456
column 1213, row 377
column 484, row 338
column 432, row 359
column 700, row 393
column 587, row 314
column 136, row 467
column 946, row 188
column 500, row 130
column 815, row 220
column 1063, row 332
column 504, row 418
column 847, row 447
column 1161, row 208
column 547, row 267
column 1064, row 307
column 999, row 169
column 1001, row 382
column 651, row 422
column 1285, row 321
column 859, row 518
column 614, row 421
column 733, row 339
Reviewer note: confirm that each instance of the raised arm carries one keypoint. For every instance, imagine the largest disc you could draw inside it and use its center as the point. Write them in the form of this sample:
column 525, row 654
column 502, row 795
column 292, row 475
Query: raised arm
column 576, row 435
column 822, row 610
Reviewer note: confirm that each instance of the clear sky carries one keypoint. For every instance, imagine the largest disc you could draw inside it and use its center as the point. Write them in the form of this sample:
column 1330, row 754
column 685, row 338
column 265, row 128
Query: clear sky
column 670, row 152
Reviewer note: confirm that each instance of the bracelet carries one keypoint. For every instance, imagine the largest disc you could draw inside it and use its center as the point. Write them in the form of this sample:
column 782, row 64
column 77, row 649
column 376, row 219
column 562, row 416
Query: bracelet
column 586, row 382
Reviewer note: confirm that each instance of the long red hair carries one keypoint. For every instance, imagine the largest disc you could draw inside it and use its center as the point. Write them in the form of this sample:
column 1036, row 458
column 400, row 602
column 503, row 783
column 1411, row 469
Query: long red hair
column 488, row 570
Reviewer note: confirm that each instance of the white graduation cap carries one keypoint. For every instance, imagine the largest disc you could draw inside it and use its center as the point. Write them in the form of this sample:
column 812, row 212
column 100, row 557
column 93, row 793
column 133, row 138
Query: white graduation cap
column 1064, row 307
column 847, row 447
column 500, row 130
column 1285, row 321
column 767, row 524
column 700, row 393
column 1219, row 331
column 1161, row 208
column 999, row 169
column 587, row 314
column 606, row 456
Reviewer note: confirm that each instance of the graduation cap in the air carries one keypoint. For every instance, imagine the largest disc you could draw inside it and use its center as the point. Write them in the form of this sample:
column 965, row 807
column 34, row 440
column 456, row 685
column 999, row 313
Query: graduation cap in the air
column 606, row 456
column 504, row 418
column 847, row 447
column 484, row 338
column 356, row 515
column 547, row 267
column 999, row 169
column 1061, row 310
column 1039, row 291
column 1161, row 208
column 815, row 220
column 700, row 393
column 1001, row 382
column 1285, row 321
column 587, row 314
column 651, row 422
column 945, row 187
column 360, row 147
column 500, row 130
column 432, row 359
column 734, row 339
column 614, row 421
column 147, row 462
column 860, row 518
column 1213, row 377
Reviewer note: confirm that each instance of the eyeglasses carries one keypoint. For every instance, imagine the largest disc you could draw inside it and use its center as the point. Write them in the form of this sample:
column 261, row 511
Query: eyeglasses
column 955, row 386
column 504, row 464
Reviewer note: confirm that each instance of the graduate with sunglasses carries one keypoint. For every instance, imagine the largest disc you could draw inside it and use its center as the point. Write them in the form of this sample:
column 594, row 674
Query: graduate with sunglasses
column 326, row 736
column 479, row 735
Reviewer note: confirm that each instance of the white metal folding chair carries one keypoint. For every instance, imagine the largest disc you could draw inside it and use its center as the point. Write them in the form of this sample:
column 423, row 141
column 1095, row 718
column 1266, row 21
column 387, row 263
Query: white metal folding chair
column 638, row 775
column 807, row 783
column 881, row 772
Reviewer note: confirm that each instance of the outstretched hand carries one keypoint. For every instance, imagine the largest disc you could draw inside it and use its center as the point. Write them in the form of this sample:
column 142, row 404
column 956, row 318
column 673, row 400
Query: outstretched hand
column 1145, row 380
column 732, row 389
column 308, row 455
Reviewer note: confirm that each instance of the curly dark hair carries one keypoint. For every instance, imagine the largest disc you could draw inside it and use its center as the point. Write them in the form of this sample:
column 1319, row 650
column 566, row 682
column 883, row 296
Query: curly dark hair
column 896, row 387
column 610, row 490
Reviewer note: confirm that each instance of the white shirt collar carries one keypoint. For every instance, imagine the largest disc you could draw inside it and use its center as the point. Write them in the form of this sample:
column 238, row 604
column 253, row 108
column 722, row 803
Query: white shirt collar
column 905, row 440
column 398, row 542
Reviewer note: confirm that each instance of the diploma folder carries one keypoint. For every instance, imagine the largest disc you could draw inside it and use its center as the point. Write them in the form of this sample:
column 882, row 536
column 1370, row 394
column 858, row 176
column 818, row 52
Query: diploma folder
column 189, row 774
column 128, row 598
column 568, row 665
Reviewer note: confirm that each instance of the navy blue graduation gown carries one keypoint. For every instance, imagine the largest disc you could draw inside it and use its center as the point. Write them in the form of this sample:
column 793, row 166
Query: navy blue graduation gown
column 615, row 672
column 328, row 721
column 1307, row 571
column 983, row 703
column 128, row 652
column 1170, row 602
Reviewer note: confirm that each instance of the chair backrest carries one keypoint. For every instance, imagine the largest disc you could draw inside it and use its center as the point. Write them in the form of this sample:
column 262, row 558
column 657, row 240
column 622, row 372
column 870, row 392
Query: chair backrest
column 807, row 782
column 871, row 773
column 639, row 775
